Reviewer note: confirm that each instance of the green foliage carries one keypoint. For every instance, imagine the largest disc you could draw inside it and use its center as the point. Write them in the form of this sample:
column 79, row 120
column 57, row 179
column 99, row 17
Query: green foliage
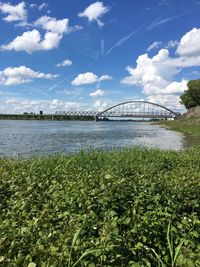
column 101, row 209
column 191, row 97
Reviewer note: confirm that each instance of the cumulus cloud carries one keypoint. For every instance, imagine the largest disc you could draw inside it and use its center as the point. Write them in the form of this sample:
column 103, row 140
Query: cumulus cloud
column 20, row 75
column 52, row 24
column 157, row 75
column 32, row 41
column 89, row 78
column 189, row 44
column 176, row 87
column 94, row 12
column 14, row 12
column 170, row 101
column 97, row 93
column 64, row 63
column 152, row 74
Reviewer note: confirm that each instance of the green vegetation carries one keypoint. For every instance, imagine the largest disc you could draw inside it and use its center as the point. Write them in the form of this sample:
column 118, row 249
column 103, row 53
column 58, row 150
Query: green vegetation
column 185, row 125
column 191, row 97
column 44, row 117
column 134, row 207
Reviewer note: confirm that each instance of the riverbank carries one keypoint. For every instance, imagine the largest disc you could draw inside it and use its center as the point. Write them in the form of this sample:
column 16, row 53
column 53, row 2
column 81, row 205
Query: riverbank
column 185, row 125
column 132, row 207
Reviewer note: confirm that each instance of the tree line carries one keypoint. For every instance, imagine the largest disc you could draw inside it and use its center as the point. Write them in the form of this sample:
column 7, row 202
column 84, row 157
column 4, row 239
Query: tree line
column 191, row 97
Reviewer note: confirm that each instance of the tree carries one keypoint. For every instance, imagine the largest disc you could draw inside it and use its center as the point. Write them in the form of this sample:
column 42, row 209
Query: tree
column 191, row 97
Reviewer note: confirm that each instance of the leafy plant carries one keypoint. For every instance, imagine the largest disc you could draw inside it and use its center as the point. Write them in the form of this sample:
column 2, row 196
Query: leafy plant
column 124, row 197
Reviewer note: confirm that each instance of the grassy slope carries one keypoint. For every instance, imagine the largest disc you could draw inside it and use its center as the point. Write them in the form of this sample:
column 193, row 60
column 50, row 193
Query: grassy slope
column 186, row 125
column 122, row 201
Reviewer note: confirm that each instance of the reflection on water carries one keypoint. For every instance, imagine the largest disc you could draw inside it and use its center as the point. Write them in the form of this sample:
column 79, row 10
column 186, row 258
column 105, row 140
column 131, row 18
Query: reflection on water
column 23, row 138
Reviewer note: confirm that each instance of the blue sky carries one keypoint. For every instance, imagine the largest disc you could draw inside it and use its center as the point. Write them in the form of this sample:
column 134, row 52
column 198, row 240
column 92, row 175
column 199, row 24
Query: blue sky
column 88, row 55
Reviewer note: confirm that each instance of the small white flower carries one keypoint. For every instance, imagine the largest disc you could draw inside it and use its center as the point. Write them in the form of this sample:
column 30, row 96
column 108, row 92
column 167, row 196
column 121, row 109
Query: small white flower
column 107, row 176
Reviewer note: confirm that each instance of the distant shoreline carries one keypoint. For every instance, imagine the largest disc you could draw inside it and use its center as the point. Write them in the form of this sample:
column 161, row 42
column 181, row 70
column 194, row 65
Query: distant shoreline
column 44, row 117
column 61, row 117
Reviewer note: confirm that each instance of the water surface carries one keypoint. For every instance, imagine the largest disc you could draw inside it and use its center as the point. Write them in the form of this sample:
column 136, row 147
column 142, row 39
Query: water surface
column 25, row 138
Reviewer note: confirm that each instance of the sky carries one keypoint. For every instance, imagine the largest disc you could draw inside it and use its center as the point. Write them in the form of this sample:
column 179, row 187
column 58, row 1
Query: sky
column 89, row 55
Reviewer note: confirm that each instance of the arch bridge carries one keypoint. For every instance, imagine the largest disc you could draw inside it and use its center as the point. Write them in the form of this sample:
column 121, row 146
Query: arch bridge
column 130, row 109
column 138, row 109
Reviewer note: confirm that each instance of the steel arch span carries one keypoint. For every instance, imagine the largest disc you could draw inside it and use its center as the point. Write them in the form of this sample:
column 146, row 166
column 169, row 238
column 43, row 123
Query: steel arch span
column 138, row 109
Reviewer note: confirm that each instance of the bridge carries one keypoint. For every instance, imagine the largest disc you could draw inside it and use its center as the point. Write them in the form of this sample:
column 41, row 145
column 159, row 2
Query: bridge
column 130, row 109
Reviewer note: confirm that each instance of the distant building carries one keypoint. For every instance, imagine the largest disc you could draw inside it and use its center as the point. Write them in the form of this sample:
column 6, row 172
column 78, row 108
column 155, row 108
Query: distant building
column 41, row 112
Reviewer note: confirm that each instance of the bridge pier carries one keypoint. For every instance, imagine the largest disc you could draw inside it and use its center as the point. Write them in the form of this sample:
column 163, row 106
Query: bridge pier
column 96, row 118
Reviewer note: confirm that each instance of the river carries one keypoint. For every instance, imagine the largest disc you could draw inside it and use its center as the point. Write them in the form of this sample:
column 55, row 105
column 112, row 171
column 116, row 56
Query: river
column 25, row 138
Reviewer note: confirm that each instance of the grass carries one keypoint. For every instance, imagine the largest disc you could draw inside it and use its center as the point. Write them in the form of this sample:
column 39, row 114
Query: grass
column 189, row 126
column 133, row 207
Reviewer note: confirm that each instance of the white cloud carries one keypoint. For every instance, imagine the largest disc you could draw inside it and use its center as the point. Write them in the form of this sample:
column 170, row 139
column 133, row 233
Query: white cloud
column 190, row 43
column 94, row 12
column 32, row 41
column 157, row 75
column 89, row 78
column 97, row 93
column 20, row 75
column 100, row 105
column 170, row 101
column 152, row 74
column 85, row 78
column 176, row 87
column 104, row 78
column 29, row 41
column 52, row 24
column 154, row 45
column 33, row 5
column 51, row 40
column 15, row 12
column 42, row 6
column 64, row 63
column 172, row 44
column 159, row 44
column 21, row 105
